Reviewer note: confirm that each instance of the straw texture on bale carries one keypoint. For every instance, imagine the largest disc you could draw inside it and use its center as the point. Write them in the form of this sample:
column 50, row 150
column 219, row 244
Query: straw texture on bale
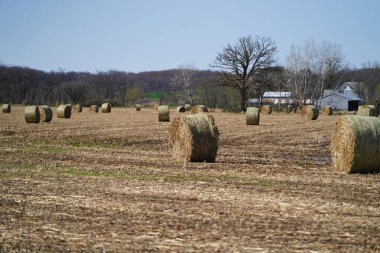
column 138, row 107
column 94, row 108
column 252, row 116
column 266, row 109
column 327, row 110
column 6, row 108
column 64, row 111
column 106, row 108
column 78, row 108
column 194, row 138
column 32, row 114
column 187, row 107
column 309, row 112
column 355, row 144
column 368, row 110
column 198, row 109
column 181, row 109
column 46, row 114
column 163, row 113
column 289, row 108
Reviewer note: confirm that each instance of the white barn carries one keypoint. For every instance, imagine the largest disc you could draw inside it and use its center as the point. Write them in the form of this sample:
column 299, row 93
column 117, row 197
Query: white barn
column 343, row 98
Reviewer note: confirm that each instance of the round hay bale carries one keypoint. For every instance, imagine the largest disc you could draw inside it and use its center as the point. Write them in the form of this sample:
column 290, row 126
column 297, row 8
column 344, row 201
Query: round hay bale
column 6, row 108
column 289, row 109
column 106, row 108
column 32, row 114
column 163, row 113
column 46, row 114
column 309, row 112
column 252, row 116
column 199, row 109
column 94, row 108
column 181, row 109
column 78, row 108
column 355, row 144
column 327, row 110
column 194, row 138
column 64, row 111
column 138, row 107
column 187, row 107
column 368, row 110
column 266, row 109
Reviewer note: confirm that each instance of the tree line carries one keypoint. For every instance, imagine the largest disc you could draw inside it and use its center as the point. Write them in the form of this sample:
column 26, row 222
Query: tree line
column 240, row 71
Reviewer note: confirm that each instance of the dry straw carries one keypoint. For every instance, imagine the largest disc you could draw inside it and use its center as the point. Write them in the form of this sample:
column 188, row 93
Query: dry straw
column 252, row 116
column 368, row 110
column 94, row 108
column 266, row 109
column 138, row 107
column 309, row 112
column 32, row 114
column 355, row 144
column 46, row 114
column 187, row 107
column 198, row 109
column 106, row 108
column 163, row 113
column 6, row 108
column 64, row 111
column 194, row 138
column 327, row 110
column 78, row 108
column 181, row 109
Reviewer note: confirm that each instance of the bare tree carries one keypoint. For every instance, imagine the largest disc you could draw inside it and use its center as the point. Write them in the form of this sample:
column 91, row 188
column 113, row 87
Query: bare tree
column 241, row 64
column 182, row 81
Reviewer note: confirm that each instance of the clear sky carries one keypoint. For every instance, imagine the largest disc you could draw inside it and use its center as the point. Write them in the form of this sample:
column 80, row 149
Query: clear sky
column 143, row 35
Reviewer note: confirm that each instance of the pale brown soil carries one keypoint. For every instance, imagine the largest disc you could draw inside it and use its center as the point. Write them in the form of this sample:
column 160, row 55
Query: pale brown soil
column 106, row 182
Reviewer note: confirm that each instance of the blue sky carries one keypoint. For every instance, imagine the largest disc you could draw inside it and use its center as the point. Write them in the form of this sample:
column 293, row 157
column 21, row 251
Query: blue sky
column 143, row 35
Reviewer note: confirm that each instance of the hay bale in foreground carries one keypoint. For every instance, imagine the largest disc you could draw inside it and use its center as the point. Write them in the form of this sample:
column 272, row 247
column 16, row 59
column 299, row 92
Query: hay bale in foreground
column 198, row 109
column 187, row 107
column 163, row 113
column 181, row 109
column 368, row 110
column 46, row 114
column 78, row 108
column 32, row 114
column 106, row 108
column 327, row 110
column 266, row 109
column 309, row 112
column 252, row 116
column 6, row 108
column 289, row 108
column 64, row 111
column 355, row 144
column 138, row 107
column 194, row 138
column 94, row 108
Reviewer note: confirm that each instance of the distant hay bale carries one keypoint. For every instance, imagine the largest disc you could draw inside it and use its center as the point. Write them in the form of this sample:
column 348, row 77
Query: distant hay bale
column 198, row 109
column 289, row 108
column 6, row 108
column 194, row 138
column 94, row 108
column 309, row 112
column 181, row 109
column 106, row 108
column 187, row 107
column 78, row 108
column 252, row 116
column 138, row 107
column 155, row 107
column 32, row 114
column 163, row 113
column 327, row 110
column 355, row 144
column 46, row 114
column 266, row 109
column 368, row 110
column 64, row 111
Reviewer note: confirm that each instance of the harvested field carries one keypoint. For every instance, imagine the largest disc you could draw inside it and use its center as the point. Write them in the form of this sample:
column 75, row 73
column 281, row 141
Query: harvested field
column 107, row 182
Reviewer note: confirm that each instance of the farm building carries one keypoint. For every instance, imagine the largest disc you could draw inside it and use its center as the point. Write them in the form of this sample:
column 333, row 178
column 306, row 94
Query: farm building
column 273, row 98
column 344, row 98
